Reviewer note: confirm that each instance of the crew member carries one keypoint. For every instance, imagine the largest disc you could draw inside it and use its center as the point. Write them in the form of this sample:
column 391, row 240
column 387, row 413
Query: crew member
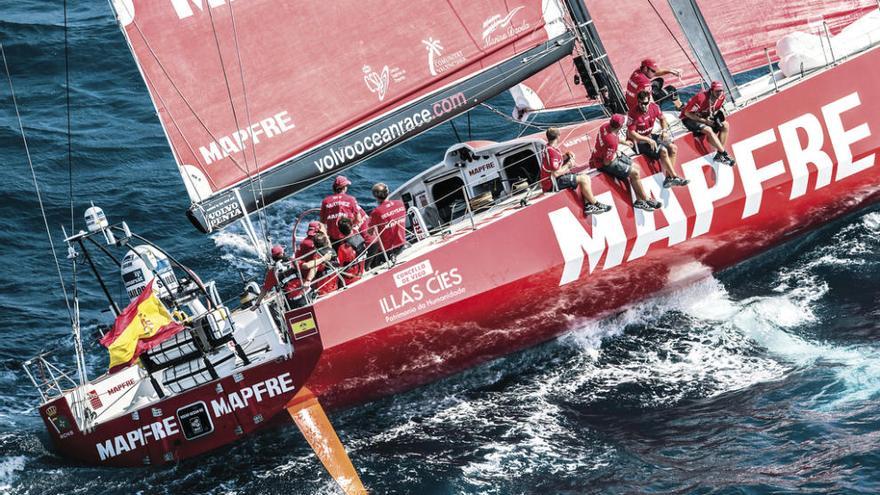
column 349, row 250
column 647, row 78
column 704, row 115
column 283, row 272
column 337, row 205
column 556, row 170
column 387, row 227
column 324, row 272
column 656, row 147
column 607, row 159
column 307, row 245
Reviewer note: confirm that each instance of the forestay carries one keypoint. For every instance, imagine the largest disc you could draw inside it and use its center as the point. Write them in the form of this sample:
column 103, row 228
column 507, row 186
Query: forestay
column 262, row 98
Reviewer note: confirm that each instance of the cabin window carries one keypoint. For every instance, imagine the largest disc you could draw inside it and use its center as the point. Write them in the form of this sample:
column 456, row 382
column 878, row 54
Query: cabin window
column 446, row 194
column 522, row 165
column 494, row 186
column 407, row 199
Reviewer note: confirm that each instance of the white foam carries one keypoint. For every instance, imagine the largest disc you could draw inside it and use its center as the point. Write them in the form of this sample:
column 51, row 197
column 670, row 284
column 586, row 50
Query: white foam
column 8, row 468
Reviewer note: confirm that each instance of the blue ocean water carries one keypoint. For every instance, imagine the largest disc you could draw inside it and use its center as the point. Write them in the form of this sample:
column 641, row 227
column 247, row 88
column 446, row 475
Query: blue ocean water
column 764, row 379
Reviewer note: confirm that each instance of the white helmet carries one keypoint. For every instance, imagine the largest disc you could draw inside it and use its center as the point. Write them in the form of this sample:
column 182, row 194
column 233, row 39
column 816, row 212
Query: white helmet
column 138, row 268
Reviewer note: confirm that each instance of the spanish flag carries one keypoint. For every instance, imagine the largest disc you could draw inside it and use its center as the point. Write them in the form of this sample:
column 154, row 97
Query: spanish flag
column 144, row 324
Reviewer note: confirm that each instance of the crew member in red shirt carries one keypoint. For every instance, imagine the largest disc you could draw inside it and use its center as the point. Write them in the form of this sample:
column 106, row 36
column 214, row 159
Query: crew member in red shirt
column 606, row 159
column 387, row 227
column 656, row 147
column 324, row 274
column 308, row 244
column 282, row 272
column 338, row 205
column 556, row 171
column 350, row 267
column 704, row 115
column 642, row 79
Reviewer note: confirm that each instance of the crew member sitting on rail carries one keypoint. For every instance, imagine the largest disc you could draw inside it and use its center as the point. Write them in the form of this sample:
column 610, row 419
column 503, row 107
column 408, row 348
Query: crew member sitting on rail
column 656, row 147
column 348, row 251
column 647, row 78
column 324, row 272
column 556, row 170
column 338, row 205
column 387, row 227
column 283, row 272
column 704, row 115
column 606, row 158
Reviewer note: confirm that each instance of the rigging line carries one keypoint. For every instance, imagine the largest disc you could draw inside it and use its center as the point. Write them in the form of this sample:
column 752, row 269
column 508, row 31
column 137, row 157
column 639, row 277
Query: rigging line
column 232, row 107
column 455, row 130
column 463, row 25
column 571, row 91
column 511, row 119
column 264, row 222
column 674, row 37
column 176, row 89
column 69, row 138
column 161, row 104
column 36, row 184
column 704, row 28
column 76, row 321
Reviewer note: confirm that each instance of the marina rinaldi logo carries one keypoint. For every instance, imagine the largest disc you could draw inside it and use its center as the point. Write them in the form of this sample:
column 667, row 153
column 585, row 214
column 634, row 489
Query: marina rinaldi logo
column 439, row 63
column 498, row 28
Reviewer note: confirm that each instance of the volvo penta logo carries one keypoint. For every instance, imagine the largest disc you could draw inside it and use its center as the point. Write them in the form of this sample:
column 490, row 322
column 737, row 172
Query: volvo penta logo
column 437, row 62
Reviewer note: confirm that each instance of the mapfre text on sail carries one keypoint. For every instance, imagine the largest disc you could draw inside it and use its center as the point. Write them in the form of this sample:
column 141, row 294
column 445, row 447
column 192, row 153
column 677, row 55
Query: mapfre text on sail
column 236, row 142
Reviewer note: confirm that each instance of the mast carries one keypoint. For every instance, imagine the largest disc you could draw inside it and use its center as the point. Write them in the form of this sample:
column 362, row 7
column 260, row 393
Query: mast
column 598, row 70
column 703, row 45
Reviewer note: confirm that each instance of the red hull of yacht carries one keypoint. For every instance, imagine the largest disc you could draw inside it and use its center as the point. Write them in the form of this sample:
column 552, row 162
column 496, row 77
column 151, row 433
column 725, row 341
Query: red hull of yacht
column 224, row 410
column 805, row 156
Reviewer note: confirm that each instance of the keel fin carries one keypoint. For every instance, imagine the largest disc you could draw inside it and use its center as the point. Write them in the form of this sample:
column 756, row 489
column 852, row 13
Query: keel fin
column 312, row 421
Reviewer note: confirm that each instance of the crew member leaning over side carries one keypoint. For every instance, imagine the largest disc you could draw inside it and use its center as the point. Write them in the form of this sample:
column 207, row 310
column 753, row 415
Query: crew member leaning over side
column 655, row 147
column 607, row 159
column 556, row 174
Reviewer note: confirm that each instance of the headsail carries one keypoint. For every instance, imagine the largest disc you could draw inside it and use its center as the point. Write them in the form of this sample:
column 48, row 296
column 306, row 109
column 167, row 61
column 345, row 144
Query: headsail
column 632, row 31
column 291, row 92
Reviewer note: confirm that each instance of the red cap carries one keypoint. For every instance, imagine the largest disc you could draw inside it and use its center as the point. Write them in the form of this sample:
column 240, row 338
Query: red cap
column 617, row 120
column 314, row 228
column 341, row 181
column 277, row 251
column 716, row 86
column 650, row 64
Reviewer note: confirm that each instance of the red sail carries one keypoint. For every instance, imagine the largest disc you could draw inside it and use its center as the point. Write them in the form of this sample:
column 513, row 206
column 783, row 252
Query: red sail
column 244, row 86
column 632, row 31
